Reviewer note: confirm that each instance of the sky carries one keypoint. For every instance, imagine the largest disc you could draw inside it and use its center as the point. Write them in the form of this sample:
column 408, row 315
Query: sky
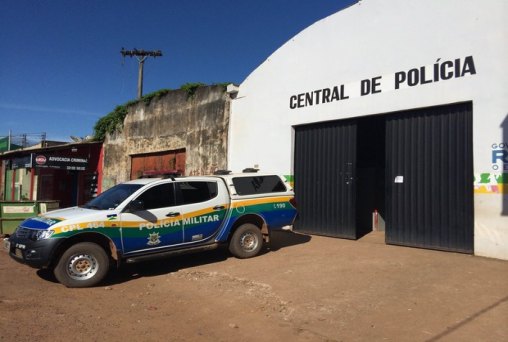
column 61, row 68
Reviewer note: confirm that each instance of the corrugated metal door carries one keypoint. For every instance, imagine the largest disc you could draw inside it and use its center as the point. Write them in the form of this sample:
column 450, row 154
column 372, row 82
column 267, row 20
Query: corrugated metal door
column 324, row 170
column 167, row 161
column 430, row 178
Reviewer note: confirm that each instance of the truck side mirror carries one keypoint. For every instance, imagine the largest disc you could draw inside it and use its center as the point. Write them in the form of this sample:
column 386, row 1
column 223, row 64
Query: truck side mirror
column 135, row 205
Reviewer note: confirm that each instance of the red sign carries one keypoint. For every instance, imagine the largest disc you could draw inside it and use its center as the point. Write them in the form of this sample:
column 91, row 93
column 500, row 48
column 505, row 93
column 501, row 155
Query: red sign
column 40, row 160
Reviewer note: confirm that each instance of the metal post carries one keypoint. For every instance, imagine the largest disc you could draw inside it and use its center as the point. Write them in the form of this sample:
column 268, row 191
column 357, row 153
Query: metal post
column 140, row 76
column 140, row 56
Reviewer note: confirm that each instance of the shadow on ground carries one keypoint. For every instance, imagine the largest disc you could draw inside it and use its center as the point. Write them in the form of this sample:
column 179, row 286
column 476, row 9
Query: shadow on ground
column 47, row 275
column 127, row 272
column 284, row 238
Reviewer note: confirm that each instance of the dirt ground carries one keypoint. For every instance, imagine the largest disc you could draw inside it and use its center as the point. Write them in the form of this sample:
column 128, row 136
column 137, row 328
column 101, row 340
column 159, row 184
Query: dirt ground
column 302, row 288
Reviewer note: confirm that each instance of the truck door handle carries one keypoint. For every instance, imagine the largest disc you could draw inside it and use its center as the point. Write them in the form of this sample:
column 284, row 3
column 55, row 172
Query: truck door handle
column 172, row 214
column 219, row 207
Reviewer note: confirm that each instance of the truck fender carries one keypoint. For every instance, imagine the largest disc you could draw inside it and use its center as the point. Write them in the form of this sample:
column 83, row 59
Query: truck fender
column 256, row 220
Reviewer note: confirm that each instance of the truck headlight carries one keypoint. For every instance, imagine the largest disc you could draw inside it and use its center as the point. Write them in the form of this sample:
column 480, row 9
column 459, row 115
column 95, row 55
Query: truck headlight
column 41, row 234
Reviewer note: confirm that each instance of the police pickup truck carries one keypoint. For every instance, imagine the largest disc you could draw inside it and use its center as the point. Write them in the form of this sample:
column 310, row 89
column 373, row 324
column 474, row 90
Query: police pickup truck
column 154, row 217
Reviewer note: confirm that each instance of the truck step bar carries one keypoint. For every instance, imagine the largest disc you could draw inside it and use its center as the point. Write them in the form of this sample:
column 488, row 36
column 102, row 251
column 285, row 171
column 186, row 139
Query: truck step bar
column 134, row 259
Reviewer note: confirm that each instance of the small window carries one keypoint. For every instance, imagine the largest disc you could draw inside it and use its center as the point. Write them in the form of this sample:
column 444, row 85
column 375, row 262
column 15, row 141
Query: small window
column 195, row 192
column 258, row 185
column 160, row 196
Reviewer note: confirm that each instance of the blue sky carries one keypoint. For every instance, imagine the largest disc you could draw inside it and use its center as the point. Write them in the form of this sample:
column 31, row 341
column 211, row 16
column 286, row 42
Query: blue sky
column 61, row 67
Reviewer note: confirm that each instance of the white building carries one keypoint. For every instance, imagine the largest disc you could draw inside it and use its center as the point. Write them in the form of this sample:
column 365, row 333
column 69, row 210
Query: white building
column 399, row 106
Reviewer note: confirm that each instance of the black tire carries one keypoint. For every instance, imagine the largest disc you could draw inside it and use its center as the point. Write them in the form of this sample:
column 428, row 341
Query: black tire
column 246, row 241
column 84, row 264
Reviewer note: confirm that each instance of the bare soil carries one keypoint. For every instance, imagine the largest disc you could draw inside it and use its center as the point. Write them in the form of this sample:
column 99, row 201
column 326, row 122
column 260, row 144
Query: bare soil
column 302, row 288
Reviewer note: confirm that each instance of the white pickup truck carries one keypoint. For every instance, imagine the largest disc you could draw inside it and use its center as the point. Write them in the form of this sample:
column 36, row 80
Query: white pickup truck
column 155, row 217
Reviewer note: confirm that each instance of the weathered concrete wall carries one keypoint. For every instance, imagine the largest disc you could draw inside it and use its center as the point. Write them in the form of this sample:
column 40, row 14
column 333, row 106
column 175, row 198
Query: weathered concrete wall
column 175, row 121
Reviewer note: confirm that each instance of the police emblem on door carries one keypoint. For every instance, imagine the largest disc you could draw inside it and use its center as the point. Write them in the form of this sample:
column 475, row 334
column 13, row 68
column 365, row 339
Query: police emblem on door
column 153, row 239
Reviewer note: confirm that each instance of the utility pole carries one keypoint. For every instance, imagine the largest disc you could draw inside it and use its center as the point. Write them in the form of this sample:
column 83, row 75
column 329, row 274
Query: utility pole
column 140, row 55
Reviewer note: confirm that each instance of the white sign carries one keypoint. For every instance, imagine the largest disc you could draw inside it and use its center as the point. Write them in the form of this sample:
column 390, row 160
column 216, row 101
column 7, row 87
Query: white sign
column 18, row 209
column 399, row 179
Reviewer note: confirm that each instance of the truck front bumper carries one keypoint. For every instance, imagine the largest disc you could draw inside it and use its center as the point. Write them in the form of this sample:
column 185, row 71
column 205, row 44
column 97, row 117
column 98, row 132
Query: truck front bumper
column 35, row 254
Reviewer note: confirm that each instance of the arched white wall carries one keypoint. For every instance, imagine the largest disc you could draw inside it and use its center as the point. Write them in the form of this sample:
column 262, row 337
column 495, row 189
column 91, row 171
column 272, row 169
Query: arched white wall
column 382, row 40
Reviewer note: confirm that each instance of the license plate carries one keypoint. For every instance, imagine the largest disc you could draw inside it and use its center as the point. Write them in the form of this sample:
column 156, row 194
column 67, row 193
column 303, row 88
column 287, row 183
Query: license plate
column 18, row 253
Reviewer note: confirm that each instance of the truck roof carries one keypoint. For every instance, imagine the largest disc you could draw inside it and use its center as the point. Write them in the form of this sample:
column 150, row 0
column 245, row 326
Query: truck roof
column 228, row 176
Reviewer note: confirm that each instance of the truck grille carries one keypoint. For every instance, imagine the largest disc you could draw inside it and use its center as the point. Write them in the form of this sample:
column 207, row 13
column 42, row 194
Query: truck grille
column 22, row 233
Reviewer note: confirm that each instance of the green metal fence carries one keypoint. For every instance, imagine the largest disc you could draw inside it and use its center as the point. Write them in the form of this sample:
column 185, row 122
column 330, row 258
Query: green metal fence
column 13, row 213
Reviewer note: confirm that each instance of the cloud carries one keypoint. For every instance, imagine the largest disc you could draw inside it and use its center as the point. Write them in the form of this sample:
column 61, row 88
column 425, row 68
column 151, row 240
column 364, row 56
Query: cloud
column 11, row 106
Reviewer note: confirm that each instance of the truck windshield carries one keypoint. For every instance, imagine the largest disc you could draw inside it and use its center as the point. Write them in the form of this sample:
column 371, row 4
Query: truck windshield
column 111, row 198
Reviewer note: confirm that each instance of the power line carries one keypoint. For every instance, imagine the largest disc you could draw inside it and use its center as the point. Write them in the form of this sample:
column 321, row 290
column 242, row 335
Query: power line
column 22, row 140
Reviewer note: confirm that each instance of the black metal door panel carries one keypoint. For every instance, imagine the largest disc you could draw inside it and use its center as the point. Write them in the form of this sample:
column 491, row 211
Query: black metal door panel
column 324, row 170
column 430, row 178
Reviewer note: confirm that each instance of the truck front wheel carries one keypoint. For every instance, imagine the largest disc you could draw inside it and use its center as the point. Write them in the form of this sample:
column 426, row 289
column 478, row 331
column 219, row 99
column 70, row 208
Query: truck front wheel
column 84, row 264
column 246, row 241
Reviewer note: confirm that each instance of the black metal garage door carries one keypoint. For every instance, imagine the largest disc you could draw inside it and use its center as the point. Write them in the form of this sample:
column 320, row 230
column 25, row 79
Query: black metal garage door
column 430, row 178
column 325, row 166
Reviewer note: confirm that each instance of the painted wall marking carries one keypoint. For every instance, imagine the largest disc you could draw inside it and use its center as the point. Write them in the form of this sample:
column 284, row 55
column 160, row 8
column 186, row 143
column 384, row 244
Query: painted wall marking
column 439, row 71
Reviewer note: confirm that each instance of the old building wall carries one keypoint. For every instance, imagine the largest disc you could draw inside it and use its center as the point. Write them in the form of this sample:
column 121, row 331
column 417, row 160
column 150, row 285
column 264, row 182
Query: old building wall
column 197, row 123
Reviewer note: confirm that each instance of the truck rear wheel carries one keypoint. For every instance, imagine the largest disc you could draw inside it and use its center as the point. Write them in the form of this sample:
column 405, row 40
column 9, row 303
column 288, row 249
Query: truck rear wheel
column 246, row 241
column 84, row 264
